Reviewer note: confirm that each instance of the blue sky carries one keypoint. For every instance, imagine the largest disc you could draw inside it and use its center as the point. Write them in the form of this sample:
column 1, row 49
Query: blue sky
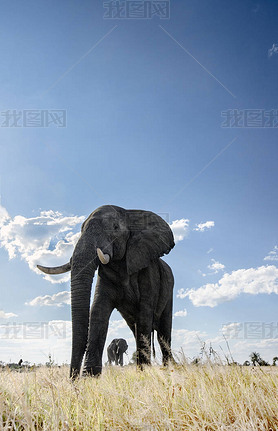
column 143, row 101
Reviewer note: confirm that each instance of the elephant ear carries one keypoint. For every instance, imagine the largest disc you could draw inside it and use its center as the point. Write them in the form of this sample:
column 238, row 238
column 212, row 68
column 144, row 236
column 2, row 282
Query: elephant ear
column 150, row 238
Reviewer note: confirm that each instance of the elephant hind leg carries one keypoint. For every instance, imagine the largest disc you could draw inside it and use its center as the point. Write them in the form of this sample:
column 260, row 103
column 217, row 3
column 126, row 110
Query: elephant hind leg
column 164, row 333
column 143, row 349
column 165, row 345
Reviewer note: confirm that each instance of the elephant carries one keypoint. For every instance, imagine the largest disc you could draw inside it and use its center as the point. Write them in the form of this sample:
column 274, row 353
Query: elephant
column 116, row 350
column 126, row 247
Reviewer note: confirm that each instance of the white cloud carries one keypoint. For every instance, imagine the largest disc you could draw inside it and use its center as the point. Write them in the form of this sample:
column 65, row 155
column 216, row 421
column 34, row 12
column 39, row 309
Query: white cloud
column 58, row 299
column 4, row 315
column 115, row 327
column 252, row 281
column 181, row 313
column 210, row 250
column 182, row 293
column 273, row 50
column 216, row 266
column 47, row 239
column 180, row 229
column 201, row 227
column 272, row 255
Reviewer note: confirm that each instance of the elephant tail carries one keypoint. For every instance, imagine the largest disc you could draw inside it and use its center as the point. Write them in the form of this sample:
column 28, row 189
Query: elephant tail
column 153, row 349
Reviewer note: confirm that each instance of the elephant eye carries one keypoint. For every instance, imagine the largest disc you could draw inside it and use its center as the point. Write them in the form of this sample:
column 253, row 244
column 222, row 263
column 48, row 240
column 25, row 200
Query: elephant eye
column 116, row 227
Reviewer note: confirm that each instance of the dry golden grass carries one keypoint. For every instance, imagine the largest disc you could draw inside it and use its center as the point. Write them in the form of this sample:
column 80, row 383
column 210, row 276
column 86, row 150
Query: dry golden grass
column 188, row 397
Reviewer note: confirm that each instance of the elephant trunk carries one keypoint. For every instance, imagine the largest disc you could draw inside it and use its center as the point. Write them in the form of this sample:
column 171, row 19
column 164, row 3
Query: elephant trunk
column 84, row 265
column 80, row 306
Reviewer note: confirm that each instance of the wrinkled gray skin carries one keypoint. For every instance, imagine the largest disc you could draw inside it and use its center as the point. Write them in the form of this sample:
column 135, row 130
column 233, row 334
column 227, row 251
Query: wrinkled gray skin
column 135, row 281
column 116, row 350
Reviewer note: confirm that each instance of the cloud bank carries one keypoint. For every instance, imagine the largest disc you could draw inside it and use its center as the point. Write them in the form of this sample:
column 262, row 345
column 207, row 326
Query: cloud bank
column 47, row 239
column 252, row 281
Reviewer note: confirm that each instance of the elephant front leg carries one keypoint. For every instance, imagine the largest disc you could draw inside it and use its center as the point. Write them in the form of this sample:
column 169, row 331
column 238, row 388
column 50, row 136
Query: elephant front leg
column 98, row 327
column 121, row 359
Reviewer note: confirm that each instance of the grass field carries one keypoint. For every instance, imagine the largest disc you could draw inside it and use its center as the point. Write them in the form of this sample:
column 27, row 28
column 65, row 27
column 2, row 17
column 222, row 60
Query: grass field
column 188, row 397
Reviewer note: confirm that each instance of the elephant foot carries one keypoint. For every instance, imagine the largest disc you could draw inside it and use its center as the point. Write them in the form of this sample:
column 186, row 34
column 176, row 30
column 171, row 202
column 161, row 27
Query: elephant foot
column 74, row 373
column 94, row 371
column 143, row 365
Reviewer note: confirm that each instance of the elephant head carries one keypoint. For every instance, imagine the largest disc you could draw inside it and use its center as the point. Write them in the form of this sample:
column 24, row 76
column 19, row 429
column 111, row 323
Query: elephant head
column 122, row 346
column 109, row 236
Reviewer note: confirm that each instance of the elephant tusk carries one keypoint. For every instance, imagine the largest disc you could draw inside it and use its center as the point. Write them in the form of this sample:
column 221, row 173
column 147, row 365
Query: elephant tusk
column 104, row 258
column 55, row 270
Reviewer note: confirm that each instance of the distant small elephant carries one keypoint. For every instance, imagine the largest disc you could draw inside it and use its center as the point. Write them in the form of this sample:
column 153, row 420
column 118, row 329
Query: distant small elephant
column 116, row 350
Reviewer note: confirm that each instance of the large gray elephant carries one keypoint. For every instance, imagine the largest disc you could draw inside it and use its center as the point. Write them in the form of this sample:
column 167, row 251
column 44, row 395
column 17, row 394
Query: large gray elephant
column 125, row 246
column 116, row 350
